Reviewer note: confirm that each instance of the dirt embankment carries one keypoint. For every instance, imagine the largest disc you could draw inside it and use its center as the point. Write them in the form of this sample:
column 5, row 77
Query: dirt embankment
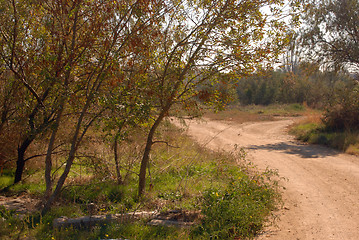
column 321, row 196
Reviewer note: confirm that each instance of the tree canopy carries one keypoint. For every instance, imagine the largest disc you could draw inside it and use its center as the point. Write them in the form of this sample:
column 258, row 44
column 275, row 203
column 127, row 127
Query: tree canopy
column 331, row 31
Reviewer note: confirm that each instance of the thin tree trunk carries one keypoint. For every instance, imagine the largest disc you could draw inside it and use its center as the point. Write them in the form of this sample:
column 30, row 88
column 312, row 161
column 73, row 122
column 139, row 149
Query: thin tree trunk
column 48, row 164
column 20, row 163
column 146, row 154
column 115, row 152
column 48, row 159
column 69, row 162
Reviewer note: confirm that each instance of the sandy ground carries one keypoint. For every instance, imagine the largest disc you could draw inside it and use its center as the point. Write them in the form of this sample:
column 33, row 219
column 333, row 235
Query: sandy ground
column 321, row 196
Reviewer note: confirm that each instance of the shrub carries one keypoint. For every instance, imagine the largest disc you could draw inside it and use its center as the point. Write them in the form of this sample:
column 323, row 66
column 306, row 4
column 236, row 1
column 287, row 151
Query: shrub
column 343, row 112
column 238, row 211
column 345, row 140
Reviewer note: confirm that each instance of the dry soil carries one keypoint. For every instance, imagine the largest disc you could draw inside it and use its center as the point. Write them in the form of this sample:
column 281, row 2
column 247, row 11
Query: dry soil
column 321, row 194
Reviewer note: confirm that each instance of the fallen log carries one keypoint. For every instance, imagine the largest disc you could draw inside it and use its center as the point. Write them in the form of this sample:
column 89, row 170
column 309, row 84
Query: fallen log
column 88, row 221
column 175, row 218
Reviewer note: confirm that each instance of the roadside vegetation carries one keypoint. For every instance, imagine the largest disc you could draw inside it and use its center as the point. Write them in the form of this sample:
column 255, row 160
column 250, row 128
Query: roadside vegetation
column 333, row 46
column 315, row 130
column 228, row 196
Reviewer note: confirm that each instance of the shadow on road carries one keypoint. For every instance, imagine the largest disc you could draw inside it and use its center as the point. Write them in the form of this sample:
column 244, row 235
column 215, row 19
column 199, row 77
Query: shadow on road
column 302, row 150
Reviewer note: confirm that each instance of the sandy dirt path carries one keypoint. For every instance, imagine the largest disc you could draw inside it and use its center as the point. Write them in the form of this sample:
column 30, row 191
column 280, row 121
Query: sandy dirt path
column 321, row 196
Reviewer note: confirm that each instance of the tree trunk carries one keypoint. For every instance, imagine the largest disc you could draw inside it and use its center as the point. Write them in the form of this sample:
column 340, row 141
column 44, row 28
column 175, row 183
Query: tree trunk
column 64, row 175
column 48, row 164
column 74, row 145
column 59, row 185
column 146, row 154
column 115, row 152
column 48, row 159
column 20, row 163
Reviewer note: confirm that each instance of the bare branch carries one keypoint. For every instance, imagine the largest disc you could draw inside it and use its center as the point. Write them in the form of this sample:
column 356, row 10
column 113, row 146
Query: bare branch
column 169, row 145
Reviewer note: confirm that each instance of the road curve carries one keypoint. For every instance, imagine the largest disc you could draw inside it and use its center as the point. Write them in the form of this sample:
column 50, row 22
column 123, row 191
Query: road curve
column 321, row 196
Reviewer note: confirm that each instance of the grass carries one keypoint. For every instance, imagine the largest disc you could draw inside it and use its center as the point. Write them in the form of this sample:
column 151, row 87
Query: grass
column 313, row 131
column 187, row 178
column 240, row 209
column 280, row 110
column 255, row 113
column 6, row 178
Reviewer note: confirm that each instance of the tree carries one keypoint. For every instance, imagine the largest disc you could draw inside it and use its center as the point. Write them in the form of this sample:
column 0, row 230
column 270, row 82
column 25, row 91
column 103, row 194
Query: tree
column 332, row 39
column 26, row 59
column 63, row 54
column 331, row 31
column 10, row 102
column 103, row 35
column 201, row 39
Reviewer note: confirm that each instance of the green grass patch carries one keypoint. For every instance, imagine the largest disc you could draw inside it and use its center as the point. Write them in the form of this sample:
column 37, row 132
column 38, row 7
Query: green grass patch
column 283, row 110
column 6, row 180
column 317, row 133
column 237, row 211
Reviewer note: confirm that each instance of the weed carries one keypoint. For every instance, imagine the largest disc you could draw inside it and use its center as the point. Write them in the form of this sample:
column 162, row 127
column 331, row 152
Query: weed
column 10, row 223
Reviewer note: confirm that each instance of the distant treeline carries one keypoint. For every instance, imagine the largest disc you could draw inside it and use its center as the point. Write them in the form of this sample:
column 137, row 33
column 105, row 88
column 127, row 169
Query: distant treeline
column 306, row 84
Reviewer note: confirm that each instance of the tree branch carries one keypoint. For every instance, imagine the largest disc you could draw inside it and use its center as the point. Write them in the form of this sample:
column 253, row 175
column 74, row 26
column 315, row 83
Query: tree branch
column 165, row 143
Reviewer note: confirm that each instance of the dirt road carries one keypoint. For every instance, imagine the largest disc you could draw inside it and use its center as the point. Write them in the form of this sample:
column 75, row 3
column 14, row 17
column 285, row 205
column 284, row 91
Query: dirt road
column 321, row 196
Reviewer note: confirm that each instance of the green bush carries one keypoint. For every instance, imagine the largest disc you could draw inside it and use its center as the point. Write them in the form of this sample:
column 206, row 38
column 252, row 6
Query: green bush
column 238, row 211
column 306, row 132
column 8, row 222
column 318, row 139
